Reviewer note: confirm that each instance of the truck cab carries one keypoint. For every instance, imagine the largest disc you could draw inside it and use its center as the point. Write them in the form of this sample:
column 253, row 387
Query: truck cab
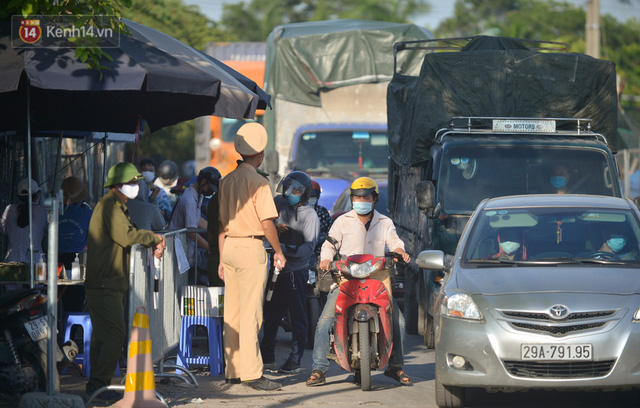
column 477, row 158
column 334, row 154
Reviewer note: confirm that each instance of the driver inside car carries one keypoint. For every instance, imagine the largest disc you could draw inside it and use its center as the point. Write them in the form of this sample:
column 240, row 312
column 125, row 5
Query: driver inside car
column 620, row 246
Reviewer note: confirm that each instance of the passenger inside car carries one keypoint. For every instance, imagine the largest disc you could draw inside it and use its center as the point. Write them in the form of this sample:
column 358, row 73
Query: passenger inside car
column 511, row 245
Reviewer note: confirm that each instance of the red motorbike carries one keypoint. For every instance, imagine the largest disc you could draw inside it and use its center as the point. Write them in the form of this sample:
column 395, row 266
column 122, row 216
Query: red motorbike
column 362, row 339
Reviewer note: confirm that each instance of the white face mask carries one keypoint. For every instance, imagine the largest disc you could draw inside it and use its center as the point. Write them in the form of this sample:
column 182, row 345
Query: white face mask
column 509, row 247
column 130, row 190
column 313, row 200
column 149, row 176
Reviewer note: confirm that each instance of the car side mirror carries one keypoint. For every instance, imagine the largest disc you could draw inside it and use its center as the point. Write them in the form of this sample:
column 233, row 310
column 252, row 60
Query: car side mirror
column 432, row 260
column 271, row 162
column 426, row 195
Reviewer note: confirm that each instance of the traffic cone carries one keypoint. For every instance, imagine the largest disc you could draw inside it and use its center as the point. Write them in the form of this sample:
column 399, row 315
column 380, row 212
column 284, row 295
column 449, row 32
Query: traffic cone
column 140, row 386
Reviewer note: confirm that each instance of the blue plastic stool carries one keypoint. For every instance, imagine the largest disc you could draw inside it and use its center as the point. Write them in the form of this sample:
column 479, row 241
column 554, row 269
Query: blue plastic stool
column 215, row 359
column 82, row 319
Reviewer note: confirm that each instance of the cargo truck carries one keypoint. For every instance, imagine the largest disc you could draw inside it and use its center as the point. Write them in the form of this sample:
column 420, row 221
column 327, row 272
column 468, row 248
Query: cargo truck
column 328, row 82
column 490, row 117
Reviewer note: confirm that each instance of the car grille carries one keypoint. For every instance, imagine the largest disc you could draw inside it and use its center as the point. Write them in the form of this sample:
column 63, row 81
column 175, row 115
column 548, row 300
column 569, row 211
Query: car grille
column 573, row 323
column 576, row 369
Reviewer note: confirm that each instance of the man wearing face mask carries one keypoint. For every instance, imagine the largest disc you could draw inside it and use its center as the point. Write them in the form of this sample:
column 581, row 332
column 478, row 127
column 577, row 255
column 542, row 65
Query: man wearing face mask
column 617, row 244
column 246, row 218
column 188, row 214
column 297, row 226
column 157, row 195
column 560, row 178
column 362, row 230
column 510, row 242
column 111, row 235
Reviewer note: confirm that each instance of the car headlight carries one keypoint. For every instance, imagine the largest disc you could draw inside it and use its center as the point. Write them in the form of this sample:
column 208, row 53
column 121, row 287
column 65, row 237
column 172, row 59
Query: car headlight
column 460, row 304
column 636, row 315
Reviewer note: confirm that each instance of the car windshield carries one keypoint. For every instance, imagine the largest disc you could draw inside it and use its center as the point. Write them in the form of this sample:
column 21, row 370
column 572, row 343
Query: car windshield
column 338, row 151
column 472, row 174
column 554, row 235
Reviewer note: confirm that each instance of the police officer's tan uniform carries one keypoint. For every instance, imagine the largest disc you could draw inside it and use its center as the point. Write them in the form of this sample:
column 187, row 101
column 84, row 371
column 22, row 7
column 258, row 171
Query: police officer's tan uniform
column 245, row 201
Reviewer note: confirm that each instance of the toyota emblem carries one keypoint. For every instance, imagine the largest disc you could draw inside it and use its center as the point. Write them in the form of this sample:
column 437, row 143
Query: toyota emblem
column 559, row 312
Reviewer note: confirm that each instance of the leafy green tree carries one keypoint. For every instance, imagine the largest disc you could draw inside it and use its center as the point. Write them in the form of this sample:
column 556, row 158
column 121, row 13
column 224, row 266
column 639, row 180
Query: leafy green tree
column 254, row 21
column 87, row 51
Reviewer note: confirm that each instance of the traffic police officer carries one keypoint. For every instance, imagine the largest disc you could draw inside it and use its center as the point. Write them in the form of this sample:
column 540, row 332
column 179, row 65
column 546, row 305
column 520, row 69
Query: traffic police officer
column 247, row 211
column 111, row 235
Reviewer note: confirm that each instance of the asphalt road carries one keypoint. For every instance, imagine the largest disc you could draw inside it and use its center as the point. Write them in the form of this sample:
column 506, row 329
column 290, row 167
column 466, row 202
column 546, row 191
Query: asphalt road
column 339, row 391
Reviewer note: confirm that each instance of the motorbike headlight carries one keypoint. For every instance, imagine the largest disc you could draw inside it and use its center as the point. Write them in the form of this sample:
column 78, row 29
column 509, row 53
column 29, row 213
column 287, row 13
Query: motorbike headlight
column 460, row 304
column 362, row 270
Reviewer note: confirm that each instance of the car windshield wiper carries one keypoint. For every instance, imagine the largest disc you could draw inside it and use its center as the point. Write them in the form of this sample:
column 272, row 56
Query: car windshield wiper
column 493, row 262
column 602, row 261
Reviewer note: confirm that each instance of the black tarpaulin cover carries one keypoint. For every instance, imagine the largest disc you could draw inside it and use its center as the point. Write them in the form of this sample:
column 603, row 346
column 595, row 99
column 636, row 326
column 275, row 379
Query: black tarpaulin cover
column 509, row 81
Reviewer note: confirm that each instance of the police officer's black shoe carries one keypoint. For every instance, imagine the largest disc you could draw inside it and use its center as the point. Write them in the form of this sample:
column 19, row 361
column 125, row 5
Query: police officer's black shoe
column 232, row 380
column 289, row 367
column 263, row 384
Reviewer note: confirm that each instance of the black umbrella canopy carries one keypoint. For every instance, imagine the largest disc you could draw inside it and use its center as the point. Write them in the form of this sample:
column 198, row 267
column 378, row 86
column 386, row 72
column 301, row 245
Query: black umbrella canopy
column 144, row 81
column 233, row 83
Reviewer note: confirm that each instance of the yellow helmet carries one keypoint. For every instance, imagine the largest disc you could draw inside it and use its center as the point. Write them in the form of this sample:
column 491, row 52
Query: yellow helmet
column 364, row 186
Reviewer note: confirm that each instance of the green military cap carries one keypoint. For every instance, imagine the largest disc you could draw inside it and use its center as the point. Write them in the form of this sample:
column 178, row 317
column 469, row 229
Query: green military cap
column 122, row 173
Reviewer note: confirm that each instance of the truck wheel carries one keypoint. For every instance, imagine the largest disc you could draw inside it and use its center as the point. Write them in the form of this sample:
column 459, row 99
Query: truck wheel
column 429, row 332
column 450, row 397
column 410, row 302
column 365, row 356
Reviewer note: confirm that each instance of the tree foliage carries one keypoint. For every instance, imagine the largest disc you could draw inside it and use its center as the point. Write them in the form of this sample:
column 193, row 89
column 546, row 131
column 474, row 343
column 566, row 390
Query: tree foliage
column 253, row 21
column 549, row 20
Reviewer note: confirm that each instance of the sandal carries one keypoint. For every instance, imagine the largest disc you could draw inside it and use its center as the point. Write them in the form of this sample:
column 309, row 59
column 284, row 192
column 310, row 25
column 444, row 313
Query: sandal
column 398, row 374
column 316, row 378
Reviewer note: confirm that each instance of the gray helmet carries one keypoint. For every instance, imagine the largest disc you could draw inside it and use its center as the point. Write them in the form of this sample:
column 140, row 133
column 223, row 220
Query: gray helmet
column 168, row 170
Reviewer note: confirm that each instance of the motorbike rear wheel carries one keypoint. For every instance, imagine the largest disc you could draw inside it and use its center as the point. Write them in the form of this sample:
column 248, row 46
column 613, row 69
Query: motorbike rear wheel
column 365, row 356
column 35, row 358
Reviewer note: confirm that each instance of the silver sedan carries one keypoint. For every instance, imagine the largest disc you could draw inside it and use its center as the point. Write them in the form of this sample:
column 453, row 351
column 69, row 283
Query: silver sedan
column 543, row 293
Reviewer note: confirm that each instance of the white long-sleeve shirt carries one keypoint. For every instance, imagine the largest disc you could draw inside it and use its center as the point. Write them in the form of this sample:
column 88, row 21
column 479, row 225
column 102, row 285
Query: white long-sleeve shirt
column 353, row 238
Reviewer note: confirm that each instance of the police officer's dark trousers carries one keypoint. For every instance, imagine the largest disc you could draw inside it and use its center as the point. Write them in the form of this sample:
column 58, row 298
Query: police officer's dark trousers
column 290, row 292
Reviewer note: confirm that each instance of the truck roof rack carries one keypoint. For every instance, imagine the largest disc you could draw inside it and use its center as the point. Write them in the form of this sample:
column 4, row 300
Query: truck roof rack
column 482, row 125
column 458, row 43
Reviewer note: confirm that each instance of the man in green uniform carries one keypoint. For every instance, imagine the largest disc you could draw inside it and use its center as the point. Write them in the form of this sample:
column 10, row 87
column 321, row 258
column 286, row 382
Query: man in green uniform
column 111, row 236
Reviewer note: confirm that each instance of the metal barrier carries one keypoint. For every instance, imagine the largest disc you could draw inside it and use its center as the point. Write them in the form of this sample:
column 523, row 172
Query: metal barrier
column 164, row 312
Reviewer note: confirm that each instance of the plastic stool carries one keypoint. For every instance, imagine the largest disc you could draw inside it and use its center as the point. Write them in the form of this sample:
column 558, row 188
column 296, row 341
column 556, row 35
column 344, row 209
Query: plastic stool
column 214, row 333
column 82, row 319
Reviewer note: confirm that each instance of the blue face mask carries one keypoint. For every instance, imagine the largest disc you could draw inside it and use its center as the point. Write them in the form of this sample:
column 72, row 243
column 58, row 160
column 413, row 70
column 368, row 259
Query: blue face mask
column 362, row 208
column 293, row 199
column 509, row 247
column 558, row 181
column 616, row 243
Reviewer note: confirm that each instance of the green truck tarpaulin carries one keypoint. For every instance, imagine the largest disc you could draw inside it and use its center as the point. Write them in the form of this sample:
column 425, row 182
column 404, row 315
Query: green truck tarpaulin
column 496, row 77
column 305, row 59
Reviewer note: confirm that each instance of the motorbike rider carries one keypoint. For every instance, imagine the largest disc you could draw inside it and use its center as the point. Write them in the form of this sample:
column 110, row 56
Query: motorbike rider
column 362, row 230
column 325, row 221
column 298, row 226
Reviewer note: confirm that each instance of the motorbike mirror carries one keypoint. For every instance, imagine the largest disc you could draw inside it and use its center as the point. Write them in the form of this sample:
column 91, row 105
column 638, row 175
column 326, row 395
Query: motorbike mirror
column 331, row 240
column 425, row 195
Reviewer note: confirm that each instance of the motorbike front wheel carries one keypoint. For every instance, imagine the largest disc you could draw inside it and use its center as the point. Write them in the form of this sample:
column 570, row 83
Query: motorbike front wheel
column 365, row 356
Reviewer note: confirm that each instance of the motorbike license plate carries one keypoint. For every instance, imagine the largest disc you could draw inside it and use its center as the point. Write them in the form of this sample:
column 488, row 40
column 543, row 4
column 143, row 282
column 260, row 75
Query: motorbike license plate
column 38, row 328
column 562, row 352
